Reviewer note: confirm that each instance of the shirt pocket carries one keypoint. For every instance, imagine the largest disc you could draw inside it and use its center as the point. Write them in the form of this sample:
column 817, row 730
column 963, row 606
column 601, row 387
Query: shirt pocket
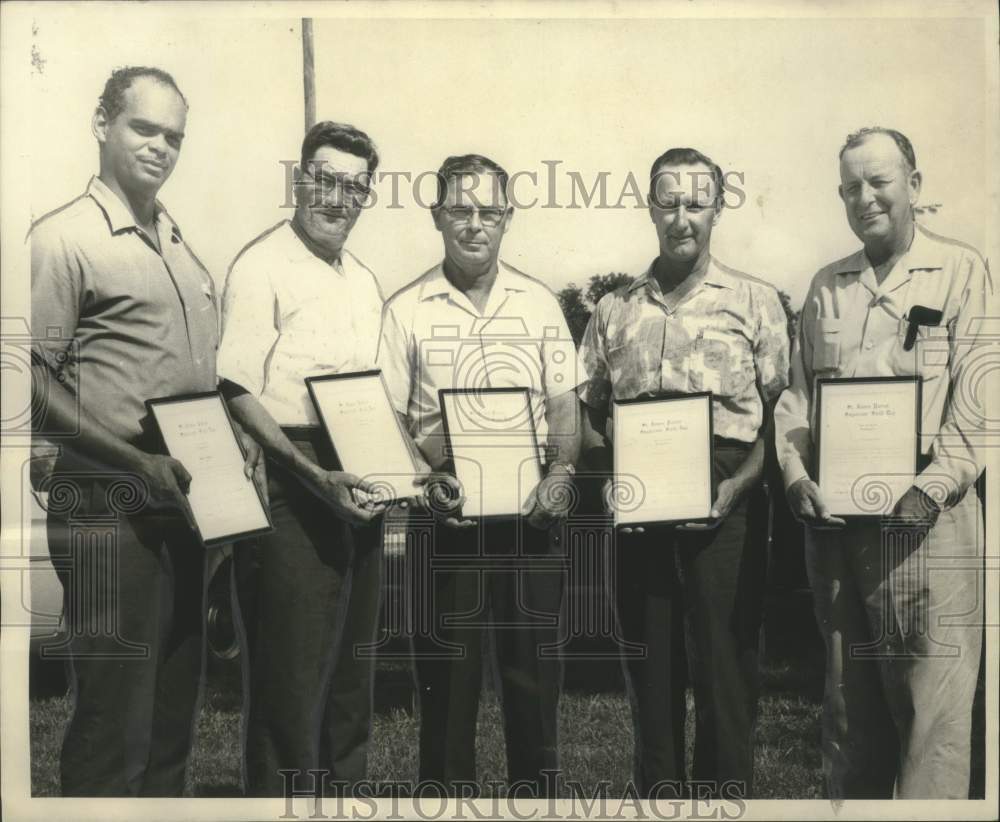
column 618, row 366
column 721, row 362
column 928, row 356
column 827, row 344
column 202, row 311
column 628, row 372
column 500, row 363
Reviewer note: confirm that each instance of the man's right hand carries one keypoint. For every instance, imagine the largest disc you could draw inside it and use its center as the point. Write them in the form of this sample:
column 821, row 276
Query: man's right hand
column 335, row 489
column 168, row 482
column 807, row 505
column 443, row 497
column 608, row 495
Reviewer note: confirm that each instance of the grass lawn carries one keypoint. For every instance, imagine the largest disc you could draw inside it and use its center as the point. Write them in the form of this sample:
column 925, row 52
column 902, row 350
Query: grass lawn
column 595, row 725
column 595, row 736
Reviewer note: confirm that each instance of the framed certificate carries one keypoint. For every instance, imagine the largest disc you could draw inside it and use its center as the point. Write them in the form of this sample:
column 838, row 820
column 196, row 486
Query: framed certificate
column 198, row 431
column 867, row 442
column 364, row 429
column 491, row 437
column 662, row 460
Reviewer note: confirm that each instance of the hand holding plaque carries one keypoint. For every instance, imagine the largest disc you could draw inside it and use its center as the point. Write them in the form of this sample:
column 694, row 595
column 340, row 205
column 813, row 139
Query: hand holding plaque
column 443, row 497
column 867, row 443
column 224, row 503
column 358, row 417
column 491, row 438
column 662, row 461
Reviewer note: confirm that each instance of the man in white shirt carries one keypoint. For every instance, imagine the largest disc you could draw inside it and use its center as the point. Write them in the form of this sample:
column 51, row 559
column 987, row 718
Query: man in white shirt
column 897, row 600
column 473, row 321
column 298, row 304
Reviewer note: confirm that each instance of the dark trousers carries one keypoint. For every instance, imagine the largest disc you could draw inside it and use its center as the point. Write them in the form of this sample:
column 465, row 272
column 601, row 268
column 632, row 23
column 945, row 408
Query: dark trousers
column 308, row 605
column 132, row 598
column 466, row 588
column 701, row 591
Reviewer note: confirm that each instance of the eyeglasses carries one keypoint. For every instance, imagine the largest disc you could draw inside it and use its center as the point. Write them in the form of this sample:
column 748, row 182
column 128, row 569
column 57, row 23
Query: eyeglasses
column 327, row 184
column 672, row 205
column 489, row 217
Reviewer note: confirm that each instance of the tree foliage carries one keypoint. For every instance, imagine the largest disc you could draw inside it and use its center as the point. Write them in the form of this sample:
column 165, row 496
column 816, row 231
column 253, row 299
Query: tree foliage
column 598, row 286
column 575, row 310
column 791, row 315
column 577, row 304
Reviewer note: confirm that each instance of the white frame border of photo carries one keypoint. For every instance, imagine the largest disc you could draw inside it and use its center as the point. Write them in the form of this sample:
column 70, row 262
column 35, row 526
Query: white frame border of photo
column 16, row 35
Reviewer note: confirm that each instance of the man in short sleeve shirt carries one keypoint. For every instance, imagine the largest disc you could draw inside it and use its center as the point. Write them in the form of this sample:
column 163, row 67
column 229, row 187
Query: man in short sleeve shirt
column 902, row 630
column 297, row 304
column 691, row 324
column 475, row 322
column 123, row 312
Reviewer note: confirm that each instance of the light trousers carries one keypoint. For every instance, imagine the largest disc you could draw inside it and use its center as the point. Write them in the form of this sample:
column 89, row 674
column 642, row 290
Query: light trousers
column 901, row 613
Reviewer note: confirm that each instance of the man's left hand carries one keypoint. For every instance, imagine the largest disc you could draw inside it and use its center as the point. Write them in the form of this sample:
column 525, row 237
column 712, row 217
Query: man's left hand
column 727, row 496
column 915, row 508
column 551, row 500
column 254, row 463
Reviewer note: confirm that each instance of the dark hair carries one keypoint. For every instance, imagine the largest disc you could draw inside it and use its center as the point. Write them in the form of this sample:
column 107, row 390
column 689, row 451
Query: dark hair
column 461, row 164
column 901, row 140
column 342, row 136
column 685, row 157
column 112, row 99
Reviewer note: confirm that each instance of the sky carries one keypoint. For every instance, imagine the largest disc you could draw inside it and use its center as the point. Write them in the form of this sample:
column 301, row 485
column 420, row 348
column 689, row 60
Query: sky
column 770, row 99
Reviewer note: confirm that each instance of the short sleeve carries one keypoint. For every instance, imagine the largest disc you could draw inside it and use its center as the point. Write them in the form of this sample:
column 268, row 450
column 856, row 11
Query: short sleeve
column 394, row 358
column 559, row 366
column 57, row 290
column 249, row 325
column 771, row 346
column 592, row 362
column 793, row 411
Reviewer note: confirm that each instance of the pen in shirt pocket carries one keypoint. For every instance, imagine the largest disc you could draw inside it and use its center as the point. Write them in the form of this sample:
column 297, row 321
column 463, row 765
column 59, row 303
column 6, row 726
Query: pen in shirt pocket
column 917, row 316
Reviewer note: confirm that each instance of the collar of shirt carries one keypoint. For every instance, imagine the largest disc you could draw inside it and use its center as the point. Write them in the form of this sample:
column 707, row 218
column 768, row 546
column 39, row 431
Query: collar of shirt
column 714, row 276
column 295, row 250
column 120, row 218
column 437, row 284
column 307, row 248
column 922, row 255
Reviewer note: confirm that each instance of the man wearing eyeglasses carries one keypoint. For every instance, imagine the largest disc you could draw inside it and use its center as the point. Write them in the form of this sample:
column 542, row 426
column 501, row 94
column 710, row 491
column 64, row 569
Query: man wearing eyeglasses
column 473, row 321
column 297, row 303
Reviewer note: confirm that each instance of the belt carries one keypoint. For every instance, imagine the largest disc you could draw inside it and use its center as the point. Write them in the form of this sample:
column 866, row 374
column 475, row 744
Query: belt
column 302, row 433
column 314, row 437
column 726, row 442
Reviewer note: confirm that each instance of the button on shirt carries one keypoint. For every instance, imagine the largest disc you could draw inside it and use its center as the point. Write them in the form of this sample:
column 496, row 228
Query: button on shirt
column 119, row 321
column 433, row 337
column 288, row 315
column 728, row 335
column 852, row 327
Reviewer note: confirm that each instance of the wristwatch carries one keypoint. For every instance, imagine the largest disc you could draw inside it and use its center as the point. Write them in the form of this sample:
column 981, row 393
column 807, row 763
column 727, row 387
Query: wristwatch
column 568, row 466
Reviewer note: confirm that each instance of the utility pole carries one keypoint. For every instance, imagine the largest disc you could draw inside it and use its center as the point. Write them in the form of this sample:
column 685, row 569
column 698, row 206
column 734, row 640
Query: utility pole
column 309, row 72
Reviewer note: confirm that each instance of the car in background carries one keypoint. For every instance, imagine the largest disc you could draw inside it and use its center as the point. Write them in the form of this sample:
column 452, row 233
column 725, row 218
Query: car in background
column 48, row 636
column 46, row 668
column 47, row 660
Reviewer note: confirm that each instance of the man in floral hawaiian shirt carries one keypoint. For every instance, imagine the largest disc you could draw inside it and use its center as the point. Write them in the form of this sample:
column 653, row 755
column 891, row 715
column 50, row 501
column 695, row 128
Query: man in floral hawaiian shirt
column 691, row 324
